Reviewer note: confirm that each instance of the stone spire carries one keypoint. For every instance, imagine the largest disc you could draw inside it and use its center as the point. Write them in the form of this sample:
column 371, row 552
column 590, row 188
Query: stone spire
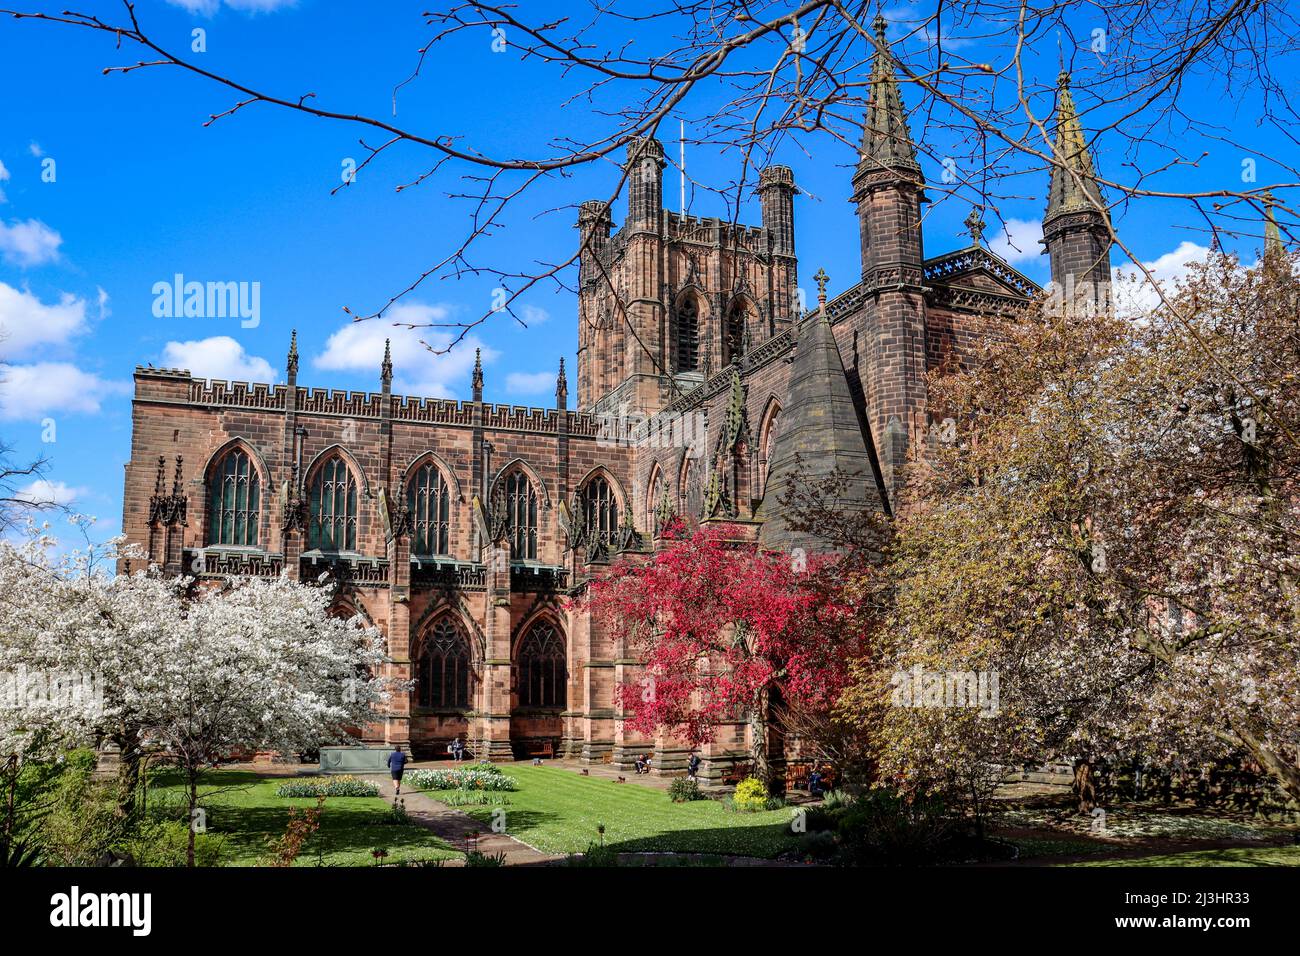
column 1076, row 224
column 818, row 433
column 1074, row 186
column 561, row 388
column 291, row 364
column 1272, row 235
column 886, row 140
column 386, row 366
column 476, row 383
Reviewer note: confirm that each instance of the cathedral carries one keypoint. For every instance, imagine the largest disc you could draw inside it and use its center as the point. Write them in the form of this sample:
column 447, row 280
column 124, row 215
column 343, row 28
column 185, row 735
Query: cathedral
column 462, row 529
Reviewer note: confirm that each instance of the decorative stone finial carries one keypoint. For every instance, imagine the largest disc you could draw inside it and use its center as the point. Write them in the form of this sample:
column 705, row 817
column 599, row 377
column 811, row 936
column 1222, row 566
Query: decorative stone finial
column 477, row 381
column 974, row 224
column 386, row 367
column 821, row 278
column 292, row 363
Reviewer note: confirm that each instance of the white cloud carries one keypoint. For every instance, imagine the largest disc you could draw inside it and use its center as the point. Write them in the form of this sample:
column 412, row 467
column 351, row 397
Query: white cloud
column 533, row 315
column 209, row 8
column 1134, row 294
column 4, row 178
column 26, row 322
column 531, row 383
column 219, row 356
column 417, row 371
column 43, row 492
column 35, row 149
column 1017, row 241
column 29, row 392
column 29, row 243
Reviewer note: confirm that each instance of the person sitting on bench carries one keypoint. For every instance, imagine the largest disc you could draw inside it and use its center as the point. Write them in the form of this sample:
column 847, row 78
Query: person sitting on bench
column 693, row 766
column 642, row 765
column 815, row 787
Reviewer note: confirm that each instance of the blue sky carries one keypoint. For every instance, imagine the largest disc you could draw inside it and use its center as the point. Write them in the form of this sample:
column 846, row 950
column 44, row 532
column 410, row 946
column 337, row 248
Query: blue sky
column 143, row 191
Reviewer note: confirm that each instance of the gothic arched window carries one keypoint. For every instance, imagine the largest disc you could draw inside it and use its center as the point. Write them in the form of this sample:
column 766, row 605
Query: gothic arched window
column 442, row 667
column 333, row 504
column 542, row 673
column 735, row 332
column 765, row 449
column 235, row 501
column 600, row 509
column 653, row 500
column 521, row 515
column 428, row 499
column 684, row 488
column 688, row 334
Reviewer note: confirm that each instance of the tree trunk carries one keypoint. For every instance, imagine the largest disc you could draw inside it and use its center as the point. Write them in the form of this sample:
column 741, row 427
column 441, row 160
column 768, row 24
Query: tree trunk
column 194, row 803
column 1286, row 775
column 758, row 740
column 1085, row 786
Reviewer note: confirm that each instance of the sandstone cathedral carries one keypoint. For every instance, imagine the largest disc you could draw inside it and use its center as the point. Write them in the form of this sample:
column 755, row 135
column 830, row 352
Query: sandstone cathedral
column 461, row 528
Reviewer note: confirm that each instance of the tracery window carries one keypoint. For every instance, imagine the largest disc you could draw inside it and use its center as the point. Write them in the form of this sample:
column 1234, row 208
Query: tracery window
column 542, row 672
column 600, row 509
column 521, row 515
column 333, row 507
column 235, row 501
column 442, row 668
column 428, row 499
column 688, row 334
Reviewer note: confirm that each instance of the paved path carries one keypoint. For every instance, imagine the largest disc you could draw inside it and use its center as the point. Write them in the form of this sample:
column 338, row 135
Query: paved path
column 457, row 828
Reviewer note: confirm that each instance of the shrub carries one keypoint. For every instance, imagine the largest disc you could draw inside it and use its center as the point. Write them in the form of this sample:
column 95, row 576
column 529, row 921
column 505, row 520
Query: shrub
column 684, row 789
column 475, row 858
column 883, row 827
column 597, row 854
column 165, row 842
column 750, row 796
column 480, row 777
column 344, row 786
column 818, row 845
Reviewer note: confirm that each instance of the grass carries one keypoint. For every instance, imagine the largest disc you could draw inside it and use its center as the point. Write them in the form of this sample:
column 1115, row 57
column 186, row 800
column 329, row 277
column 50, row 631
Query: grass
column 558, row 811
column 244, row 815
column 1230, row 856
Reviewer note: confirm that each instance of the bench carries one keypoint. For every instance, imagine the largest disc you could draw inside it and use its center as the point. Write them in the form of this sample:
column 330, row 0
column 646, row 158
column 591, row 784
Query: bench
column 796, row 776
column 535, row 749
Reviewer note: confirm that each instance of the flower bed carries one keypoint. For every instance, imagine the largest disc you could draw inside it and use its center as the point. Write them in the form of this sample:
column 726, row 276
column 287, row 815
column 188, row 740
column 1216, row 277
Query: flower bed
column 345, row 786
column 481, row 777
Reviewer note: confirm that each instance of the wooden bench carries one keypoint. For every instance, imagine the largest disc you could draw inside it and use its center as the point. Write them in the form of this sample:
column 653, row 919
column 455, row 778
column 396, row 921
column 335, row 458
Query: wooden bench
column 539, row 748
column 796, row 776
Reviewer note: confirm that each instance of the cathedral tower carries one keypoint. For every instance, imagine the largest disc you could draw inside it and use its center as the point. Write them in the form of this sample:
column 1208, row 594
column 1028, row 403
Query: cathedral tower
column 1076, row 225
column 888, row 189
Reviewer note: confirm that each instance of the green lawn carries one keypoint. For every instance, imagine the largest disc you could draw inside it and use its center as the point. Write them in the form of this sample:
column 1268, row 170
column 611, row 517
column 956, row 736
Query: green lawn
column 558, row 811
column 1232, row 856
column 244, row 815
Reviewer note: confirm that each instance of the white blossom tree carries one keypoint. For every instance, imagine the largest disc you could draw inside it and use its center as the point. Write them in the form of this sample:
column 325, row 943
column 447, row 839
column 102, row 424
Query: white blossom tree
column 197, row 671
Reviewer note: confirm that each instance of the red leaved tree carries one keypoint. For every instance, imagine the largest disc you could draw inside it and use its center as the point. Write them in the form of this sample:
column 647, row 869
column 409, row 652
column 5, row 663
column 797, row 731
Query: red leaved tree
column 726, row 632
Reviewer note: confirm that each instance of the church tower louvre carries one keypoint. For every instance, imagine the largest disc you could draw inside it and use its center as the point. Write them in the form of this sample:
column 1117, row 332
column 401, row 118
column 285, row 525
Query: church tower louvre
column 1076, row 225
column 888, row 189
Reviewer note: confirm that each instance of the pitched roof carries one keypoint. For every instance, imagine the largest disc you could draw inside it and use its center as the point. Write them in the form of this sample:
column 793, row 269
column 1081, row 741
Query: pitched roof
column 819, row 432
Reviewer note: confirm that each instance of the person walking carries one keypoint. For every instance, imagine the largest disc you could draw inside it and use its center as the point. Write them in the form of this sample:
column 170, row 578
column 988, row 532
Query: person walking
column 397, row 766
